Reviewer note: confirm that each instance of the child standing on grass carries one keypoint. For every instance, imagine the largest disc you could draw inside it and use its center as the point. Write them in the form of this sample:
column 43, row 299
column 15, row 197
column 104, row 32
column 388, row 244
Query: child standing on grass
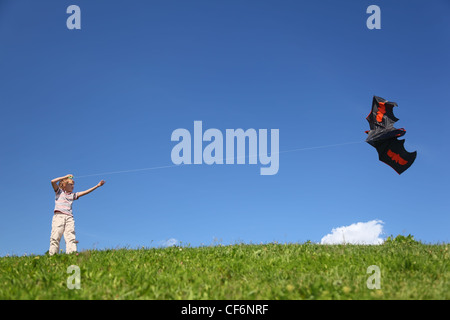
column 63, row 222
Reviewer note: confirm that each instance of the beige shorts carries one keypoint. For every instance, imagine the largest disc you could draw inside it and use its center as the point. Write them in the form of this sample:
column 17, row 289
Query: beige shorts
column 62, row 224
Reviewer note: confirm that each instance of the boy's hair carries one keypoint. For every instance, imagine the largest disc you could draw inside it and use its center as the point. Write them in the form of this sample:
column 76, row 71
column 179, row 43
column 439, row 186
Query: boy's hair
column 63, row 183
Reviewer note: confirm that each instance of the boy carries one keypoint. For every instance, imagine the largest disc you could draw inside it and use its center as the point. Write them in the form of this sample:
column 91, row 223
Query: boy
column 63, row 222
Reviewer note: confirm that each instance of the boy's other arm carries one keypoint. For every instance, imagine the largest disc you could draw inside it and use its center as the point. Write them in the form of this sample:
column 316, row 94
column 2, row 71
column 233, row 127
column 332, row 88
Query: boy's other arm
column 56, row 180
column 83, row 193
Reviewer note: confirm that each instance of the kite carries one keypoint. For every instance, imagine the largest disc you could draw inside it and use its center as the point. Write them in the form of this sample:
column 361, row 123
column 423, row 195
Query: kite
column 383, row 136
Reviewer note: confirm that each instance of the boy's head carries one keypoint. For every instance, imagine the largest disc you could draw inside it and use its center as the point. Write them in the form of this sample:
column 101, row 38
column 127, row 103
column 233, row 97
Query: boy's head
column 67, row 184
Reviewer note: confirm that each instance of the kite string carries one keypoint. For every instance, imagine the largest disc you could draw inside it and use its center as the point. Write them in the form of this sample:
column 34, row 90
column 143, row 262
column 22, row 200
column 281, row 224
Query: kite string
column 322, row 147
column 224, row 160
column 126, row 171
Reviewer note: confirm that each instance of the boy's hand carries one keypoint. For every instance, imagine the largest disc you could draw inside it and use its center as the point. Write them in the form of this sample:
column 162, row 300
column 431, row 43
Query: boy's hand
column 69, row 176
column 101, row 183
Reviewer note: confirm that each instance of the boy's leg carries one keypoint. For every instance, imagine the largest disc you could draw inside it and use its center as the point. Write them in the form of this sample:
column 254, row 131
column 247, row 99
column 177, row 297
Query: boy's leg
column 58, row 223
column 69, row 235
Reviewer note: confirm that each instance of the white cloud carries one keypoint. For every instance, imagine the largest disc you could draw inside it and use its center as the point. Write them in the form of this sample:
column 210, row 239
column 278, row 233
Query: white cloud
column 169, row 242
column 356, row 233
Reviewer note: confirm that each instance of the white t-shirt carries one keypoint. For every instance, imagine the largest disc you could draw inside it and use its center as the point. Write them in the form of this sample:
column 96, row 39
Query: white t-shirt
column 64, row 200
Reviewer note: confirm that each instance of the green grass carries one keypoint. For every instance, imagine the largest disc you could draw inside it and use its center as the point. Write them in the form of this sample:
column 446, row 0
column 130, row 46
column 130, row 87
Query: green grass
column 409, row 270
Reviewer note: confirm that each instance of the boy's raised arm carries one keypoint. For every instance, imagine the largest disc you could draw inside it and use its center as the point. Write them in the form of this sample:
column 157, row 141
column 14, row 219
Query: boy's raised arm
column 83, row 193
column 55, row 181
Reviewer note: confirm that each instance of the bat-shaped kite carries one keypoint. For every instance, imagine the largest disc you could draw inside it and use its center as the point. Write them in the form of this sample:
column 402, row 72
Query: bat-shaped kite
column 383, row 136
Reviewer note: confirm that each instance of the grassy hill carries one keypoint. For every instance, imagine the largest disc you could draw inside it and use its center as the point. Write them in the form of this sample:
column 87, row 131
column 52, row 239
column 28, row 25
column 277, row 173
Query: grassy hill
column 408, row 270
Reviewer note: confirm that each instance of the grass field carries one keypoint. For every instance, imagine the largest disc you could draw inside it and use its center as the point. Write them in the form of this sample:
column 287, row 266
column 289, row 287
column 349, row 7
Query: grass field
column 408, row 270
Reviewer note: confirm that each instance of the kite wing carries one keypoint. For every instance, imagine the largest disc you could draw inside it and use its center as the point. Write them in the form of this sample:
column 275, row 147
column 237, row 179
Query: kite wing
column 382, row 115
column 383, row 136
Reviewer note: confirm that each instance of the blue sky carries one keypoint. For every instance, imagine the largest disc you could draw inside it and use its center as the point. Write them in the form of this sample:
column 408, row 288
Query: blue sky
column 108, row 97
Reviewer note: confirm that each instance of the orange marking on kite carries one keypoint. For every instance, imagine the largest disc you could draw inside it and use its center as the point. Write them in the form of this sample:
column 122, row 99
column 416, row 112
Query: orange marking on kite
column 381, row 111
column 396, row 157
